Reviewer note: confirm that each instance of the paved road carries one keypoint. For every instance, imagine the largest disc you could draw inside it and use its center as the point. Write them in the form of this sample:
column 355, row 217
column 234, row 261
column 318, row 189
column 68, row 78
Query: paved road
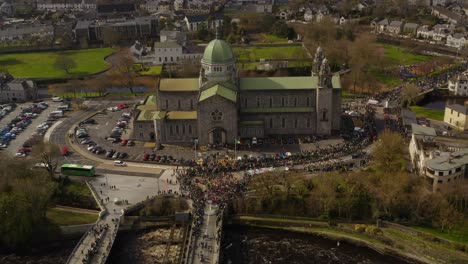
column 25, row 134
column 130, row 188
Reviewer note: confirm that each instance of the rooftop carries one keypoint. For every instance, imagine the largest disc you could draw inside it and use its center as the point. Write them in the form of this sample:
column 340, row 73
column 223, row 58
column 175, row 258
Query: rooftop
column 284, row 83
column 458, row 108
column 166, row 45
column 449, row 162
column 422, row 130
column 277, row 110
column 220, row 90
column 179, row 85
column 175, row 115
column 204, row 17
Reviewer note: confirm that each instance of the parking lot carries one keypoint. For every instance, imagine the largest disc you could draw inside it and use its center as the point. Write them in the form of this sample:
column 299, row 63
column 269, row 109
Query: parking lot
column 29, row 130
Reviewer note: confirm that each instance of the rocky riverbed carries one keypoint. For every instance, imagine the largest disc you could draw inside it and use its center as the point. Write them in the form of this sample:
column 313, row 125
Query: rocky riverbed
column 245, row 245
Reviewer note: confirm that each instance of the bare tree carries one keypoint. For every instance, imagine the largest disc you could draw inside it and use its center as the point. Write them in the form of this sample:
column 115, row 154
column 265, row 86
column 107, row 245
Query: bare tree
column 63, row 62
column 409, row 94
column 124, row 74
column 48, row 154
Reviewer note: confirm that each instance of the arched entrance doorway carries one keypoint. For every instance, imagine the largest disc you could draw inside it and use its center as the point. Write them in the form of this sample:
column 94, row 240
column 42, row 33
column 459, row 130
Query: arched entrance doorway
column 152, row 136
column 217, row 136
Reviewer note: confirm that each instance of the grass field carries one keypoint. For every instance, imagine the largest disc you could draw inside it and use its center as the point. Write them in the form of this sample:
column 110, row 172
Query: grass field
column 41, row 64
column 152, row 70
column 64, row 217
column 458, row 234
column 268, row 38
column 399, row 55
column 385, row 78
column 436, row 114
column 284, row 52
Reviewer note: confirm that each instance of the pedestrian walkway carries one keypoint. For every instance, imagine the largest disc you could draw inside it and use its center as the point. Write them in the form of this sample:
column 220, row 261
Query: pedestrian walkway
column 206, row 244
column 116, row 193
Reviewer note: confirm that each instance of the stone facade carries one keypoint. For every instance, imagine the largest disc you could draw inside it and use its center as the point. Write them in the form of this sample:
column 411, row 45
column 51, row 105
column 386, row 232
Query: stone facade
column 219, row 106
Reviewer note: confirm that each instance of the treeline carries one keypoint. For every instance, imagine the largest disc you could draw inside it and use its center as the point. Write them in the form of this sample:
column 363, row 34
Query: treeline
column 384, row 191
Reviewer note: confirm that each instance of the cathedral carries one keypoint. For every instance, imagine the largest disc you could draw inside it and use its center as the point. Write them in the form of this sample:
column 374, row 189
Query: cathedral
column 219, row 107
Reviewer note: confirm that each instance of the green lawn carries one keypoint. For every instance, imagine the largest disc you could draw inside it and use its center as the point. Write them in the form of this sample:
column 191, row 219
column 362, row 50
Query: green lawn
column 41, row 64
column 268, row 38
column 77, row 95
column 385, row 78
column 458, row 234
column 64, row 217
column 399, row 55
column 152, row 70
column 281, row 52
column 78, row 188
column 436, row 114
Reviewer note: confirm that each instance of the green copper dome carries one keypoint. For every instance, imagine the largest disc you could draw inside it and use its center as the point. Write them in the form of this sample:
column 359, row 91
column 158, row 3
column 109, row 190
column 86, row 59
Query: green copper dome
column 217, row 52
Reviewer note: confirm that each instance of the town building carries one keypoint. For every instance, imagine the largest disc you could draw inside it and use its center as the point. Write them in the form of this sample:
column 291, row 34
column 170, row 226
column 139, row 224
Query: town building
column 171, row 52
column 439, row 162
column 211, row 21
column 395, row 27
column 457, row 40
column 66, row 5
column 456, row 116
column 116, row 10
column 382, row 25
column 16, row 90
column 458, row 85
column 26, row 31
column 219, row 107
column 410, row 28
column 144, row 27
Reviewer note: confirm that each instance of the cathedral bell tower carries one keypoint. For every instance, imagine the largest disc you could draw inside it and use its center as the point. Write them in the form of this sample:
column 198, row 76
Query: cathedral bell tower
column 324, row 96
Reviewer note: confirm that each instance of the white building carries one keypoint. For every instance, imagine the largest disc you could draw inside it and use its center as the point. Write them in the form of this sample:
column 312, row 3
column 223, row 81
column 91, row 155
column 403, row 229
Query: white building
column 440, row 165
column 457, row 40
column 459, row 85
column 172, row 53
column 73, row 5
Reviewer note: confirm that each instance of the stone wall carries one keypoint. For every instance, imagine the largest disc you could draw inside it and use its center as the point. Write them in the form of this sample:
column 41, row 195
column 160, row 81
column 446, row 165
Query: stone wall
column 228, row 123
column 177, row 101
column 291, row 98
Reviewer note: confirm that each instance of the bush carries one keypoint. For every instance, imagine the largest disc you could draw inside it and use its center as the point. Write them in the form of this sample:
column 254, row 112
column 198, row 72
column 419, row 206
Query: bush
column 360, row 228
column 373, row 230
column 460, row 247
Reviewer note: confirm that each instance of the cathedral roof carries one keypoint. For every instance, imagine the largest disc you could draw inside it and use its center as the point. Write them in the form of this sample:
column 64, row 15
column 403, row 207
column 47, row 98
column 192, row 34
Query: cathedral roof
column 220, row 90
column 218, row 51
column 284, row 83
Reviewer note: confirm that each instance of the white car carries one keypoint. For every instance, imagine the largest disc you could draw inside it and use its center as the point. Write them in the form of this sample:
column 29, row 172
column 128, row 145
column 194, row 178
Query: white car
column 20, row 154
column 57, row 99
column 119, row 163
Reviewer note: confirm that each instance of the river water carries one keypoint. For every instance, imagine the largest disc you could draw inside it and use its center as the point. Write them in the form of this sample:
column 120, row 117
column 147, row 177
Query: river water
column 246, row 245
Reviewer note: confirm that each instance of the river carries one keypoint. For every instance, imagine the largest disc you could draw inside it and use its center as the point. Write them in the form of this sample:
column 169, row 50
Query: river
column 247, row 245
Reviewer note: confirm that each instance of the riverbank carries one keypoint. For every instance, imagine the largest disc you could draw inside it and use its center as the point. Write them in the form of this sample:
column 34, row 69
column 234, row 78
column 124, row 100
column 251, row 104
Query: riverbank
column 392, row 241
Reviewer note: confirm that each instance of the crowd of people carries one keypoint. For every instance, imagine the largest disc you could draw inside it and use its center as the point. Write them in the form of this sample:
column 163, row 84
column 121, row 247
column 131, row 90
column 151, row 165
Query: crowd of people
column 98, row 232
column 438, row 80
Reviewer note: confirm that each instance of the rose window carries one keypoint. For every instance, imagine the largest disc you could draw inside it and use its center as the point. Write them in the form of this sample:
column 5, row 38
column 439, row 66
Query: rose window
column 217, row 115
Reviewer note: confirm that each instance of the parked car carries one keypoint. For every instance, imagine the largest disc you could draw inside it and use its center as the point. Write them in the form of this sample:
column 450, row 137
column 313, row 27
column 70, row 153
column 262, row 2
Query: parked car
column 109, row 153
column 124, row 142
column 57, row 99
column 146, row 157
column 151, row 157
column 116, row 155
column 130, row 143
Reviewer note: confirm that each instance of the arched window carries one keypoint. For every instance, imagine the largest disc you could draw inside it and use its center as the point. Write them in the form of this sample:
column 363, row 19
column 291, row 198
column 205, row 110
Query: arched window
column 191, row 104
column 178, row 104
column 167, row 104
column 308, row 101
column 190, row 129
column 177, row 129
column 295, row 101
column 295, row 123
column 258, row 101
column 283, row 123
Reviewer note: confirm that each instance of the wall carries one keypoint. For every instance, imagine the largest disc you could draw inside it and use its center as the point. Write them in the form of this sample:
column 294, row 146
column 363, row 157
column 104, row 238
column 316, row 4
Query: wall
column 455, row 119
column 173, row 99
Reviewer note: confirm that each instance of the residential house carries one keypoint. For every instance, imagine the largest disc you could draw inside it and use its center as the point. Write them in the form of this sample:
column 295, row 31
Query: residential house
column 150, row 6
column 173, row 35
column 68, row 5
column 447, row 15
column 382, row 25
column 441, row 31
column 178, row 5
column 395, row 27
column 140, row 52
column 458, row 85
column 457, row 40
column 6, row 8
column 410, row 28
column 308, row 15
column 424, row 32
column 456, row 116
column 116, row 10
column 16, row 90
column 212, row 21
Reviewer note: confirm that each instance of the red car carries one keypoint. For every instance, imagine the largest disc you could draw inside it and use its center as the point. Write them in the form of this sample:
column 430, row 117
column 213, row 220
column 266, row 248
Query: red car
column 146, row 156
column 25, row 149
column 124, row 142
column 122, row 106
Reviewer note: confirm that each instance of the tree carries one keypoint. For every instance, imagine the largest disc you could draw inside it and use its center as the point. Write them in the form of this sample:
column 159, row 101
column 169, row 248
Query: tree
column 66, row 63
column 124, row 74
column 389, row 153
column 48, row 154
column 409, row 93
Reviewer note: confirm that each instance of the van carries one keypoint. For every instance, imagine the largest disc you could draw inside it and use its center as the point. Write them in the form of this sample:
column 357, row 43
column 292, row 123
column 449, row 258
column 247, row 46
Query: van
column 58, row 113
column 63, row 108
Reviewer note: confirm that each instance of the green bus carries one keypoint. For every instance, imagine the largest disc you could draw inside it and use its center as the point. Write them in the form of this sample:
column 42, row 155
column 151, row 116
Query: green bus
column 78, row 170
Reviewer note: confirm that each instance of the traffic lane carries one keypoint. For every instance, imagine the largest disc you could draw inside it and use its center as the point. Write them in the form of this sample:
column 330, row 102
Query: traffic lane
column 129, row 168
column 28, row 132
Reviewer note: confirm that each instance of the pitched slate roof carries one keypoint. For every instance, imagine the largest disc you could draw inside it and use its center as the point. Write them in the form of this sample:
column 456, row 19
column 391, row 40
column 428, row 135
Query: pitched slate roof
column 256, row 110
column 204, row 17
column 220, row 90
column 458, row 108
column 449, row 162
column 179, row 85
column 422, row 130
column 284, row 83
